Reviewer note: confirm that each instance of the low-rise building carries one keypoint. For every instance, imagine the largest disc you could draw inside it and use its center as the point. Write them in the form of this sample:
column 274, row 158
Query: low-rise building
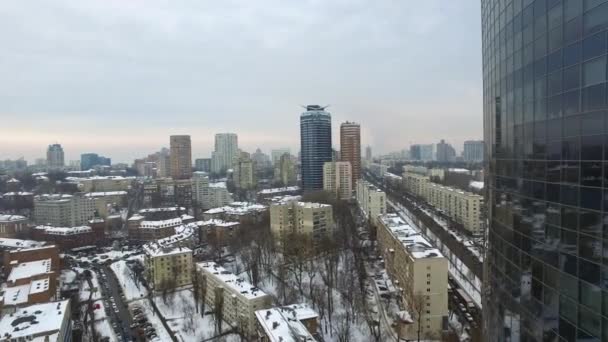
column 312, row 220
column 337, row 179
column 292, row 323
column 44, row 322
column 266, row 195
column 209, row 195
column 416, row 183
column 371, row 200
column 243, row 212
column 218, row 231
column 105, row 201
column 239, row 299
column 168, row 261
column 420, row 273
column 102, row 183
column 13, row 226
column 72, row 237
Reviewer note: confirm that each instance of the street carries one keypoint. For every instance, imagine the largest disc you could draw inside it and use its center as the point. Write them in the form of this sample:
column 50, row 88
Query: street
column 113, row 292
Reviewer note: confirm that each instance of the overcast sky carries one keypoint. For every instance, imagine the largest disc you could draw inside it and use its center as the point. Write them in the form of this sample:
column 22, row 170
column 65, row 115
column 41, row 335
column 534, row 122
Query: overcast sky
column 118, row 77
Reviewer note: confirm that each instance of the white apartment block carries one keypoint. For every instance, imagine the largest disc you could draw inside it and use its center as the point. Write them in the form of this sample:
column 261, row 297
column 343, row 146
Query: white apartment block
column 420, row 273
column 167, row 267
column 209, row 195
column 64, row 210
column 103, row 183
column 462, row 206
column 371, row 200
column 416, row 183
column 240, row 299
column 337, row 179
column 314, row 220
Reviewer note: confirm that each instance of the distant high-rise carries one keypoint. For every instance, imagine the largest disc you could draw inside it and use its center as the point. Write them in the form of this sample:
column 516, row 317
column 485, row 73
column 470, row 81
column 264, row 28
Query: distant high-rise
column 55, row 157
column 350, row 147
column 243, row 172
column 181, row 157
column 337, row 179
column 89, row 160
column 285, row 171
column 445, row 152
column 203, row 164
column 473, row 150
column 226, row 149
column 315, row 141
column 368, row 153
column 276, row 154
column 415, row 152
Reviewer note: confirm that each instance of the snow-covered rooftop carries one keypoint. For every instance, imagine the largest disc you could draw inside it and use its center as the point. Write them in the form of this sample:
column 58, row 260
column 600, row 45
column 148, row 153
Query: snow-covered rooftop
column 285, row 199
column 459, row 170
column 106, row 193
column 161, row 223
column 237, row 208
column 300, row 311
column 169, row 245
column 29, row 269
column 54, row 197
column 11, row 218
column 282, row 328
column 65, row 230
column 217, row 223
column 279, row 190
column 217, row 185
column 16, row 295
column 476, row 185
column 313, row 205
column 161, row 210
column 18, row 243
column 233, row 282
column 416, row 244
column 34, row 320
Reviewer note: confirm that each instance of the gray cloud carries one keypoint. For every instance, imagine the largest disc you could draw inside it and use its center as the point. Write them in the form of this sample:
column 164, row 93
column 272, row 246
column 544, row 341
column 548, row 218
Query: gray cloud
column 129, row 73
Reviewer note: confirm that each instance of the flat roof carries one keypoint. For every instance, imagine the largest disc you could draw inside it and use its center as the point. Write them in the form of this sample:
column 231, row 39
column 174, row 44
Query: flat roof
column 279, row 190
column 280, row 327
column 168, row 246
column 65, row 230
column 11, row 218
column 218, row 223
column 16, row 295
column 233, row 282
column 29, row 269
column 161, row 223
column 416, row 244
column 18, row 243
column 105, row 193
column 38, row 319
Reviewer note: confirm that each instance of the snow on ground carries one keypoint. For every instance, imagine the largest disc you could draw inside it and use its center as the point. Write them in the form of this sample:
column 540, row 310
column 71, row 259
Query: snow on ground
column 181, row 315
column 163, row 335
column 85, row 291
column 105, row 330
column 126, row 278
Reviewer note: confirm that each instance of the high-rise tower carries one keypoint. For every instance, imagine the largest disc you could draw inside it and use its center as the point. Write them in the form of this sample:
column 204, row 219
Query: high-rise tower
column 350, row 147
column 544, row 72
column 55, row 157
column 181, row 157
column 315, row 140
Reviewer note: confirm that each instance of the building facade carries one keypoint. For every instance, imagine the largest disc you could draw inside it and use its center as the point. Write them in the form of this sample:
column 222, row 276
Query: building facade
column 13, row 226
column 181, row 156
column 473, row 150
column 315, row 140
column 243, row 172
column 63, row 210
column 350, row 148
column 203, row 165
column 285, row 171
column 462, row 206
column 445, row 152
column 89, row 160
column 544, row 71
column 226, row 149
column 238, row 298
column 167, row 267
column 337, row 179
column 55, row 157
column 371, row 200
column 311, row 220
column 420, row 273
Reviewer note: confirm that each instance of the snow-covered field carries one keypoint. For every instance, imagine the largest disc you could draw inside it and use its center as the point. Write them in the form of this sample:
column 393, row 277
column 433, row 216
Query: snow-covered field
column 132, row 289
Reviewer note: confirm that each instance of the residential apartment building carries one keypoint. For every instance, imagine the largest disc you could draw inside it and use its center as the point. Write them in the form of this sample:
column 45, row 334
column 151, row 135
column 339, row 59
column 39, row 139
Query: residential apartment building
column 337, row 179
column 416, row 183
column 462, row 206
column 312, row 220
column 203, row 164
column 71, row 237
column 350, row 148
column 63, row 210
column 285, row 170
column 105, row 202
column 103, row 183
column 54, row 157
column 243, row 172
column 226, row 148
column 420, row 273
column 209, row 195
column 239, row 299
column 167, row 265
column 473, row 150
column 181, row 156
column 297, row 322
column 371, row 200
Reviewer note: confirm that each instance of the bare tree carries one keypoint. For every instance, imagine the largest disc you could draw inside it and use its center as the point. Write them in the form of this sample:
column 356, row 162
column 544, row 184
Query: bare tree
column 343, row 328
column 203, row 288
column 218, row 310
column 418, row 305
column 196, row 285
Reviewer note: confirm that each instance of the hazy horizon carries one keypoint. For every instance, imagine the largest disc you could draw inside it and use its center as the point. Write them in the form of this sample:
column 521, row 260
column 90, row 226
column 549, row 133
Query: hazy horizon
column 118, row 78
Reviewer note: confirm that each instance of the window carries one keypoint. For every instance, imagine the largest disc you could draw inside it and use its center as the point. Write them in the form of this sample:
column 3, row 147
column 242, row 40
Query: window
column 594, row 71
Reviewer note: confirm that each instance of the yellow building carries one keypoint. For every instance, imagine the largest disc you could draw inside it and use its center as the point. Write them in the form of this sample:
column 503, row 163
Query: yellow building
column 462, row 206
column 371, row 200
column 239, row 299
column 337, row 179
column 416, row 183
column 167, row 265
column 420, row 273
column 285, row 170
column 243, row 172
column 314, row 220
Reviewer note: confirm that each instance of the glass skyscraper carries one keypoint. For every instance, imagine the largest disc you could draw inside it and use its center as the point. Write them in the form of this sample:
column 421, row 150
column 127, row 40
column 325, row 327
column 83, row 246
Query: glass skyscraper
column 315, row 140
column 544, row 71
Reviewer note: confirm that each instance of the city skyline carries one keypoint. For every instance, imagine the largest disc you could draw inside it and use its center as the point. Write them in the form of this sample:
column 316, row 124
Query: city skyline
column 114, row 84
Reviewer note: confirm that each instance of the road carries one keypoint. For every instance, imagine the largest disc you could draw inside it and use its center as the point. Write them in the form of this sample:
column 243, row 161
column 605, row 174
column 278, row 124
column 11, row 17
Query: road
column 382, row 313
column 123, row 315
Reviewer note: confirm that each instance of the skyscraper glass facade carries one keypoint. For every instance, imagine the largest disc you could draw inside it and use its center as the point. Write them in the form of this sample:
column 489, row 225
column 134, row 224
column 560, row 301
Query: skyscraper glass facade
column 315, row 140
column 544, row 71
